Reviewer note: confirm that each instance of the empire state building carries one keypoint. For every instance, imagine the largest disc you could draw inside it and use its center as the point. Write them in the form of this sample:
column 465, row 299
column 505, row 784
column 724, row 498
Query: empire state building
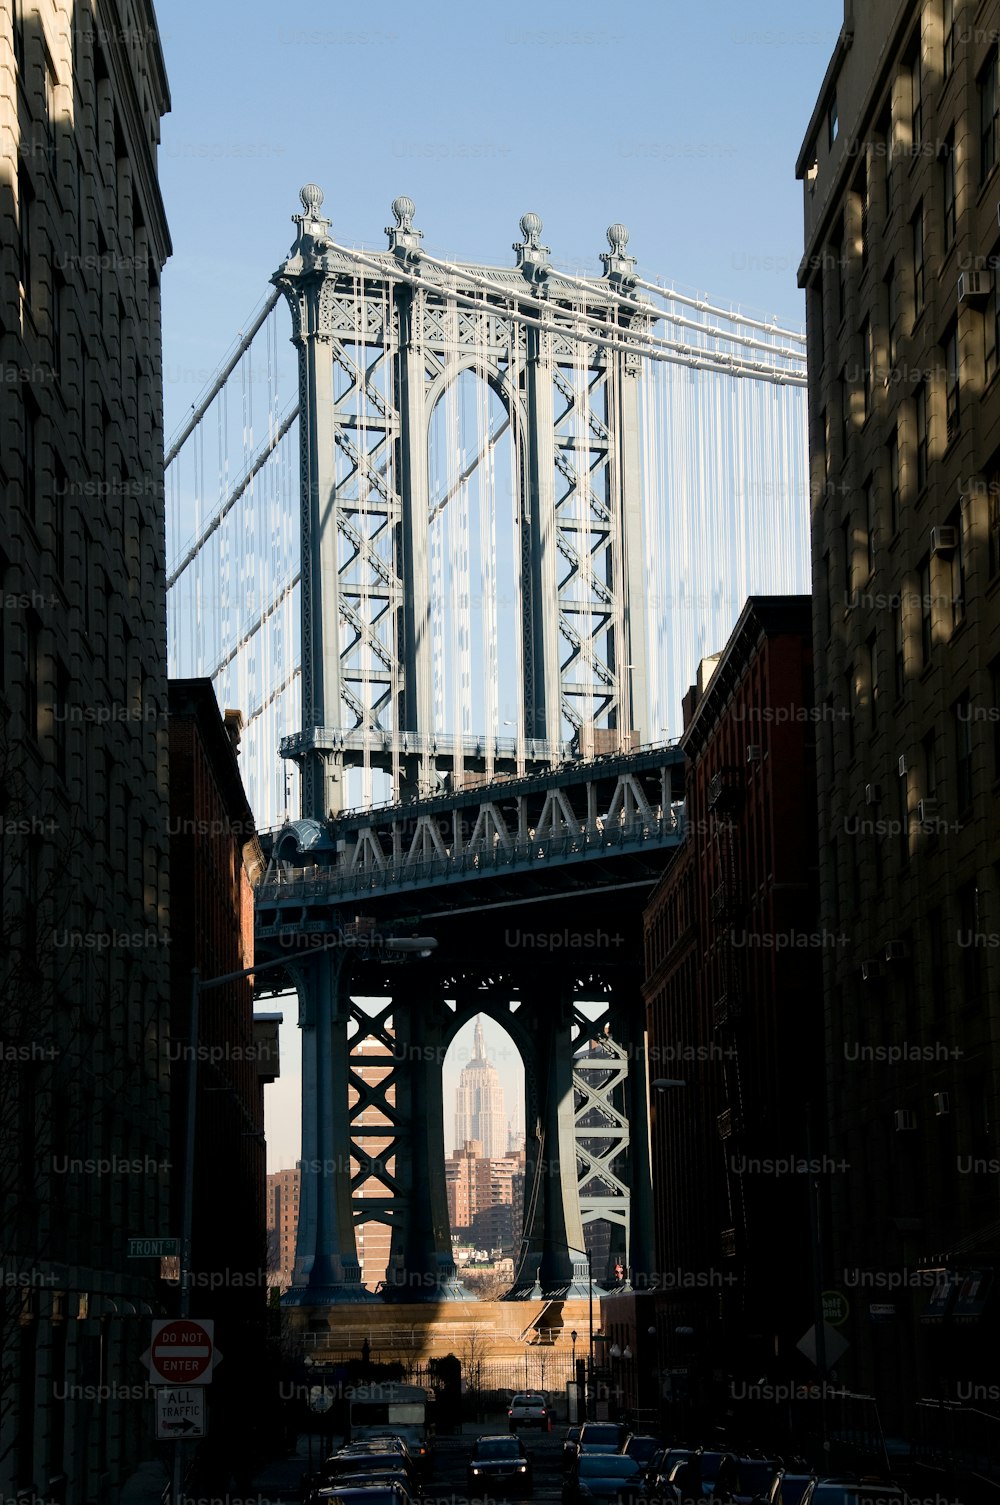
column 479, row 1111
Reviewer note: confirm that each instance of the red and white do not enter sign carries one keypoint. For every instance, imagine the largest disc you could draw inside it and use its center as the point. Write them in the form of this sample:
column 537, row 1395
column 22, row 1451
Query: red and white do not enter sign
column 181, row 1351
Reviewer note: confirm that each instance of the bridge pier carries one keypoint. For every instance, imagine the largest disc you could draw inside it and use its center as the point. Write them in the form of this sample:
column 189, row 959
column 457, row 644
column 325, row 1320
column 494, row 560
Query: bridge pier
column 421, row 1266
column 326, row 1259
column 553, row 1249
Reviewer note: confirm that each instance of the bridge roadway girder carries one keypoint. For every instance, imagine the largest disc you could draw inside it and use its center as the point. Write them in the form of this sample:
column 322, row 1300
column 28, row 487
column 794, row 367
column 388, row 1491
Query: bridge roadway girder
column 560, row 930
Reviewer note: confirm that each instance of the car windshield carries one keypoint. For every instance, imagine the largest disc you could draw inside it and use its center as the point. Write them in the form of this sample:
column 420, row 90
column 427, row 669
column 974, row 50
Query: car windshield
column 497, row 1447
column 365, row 1463
column 608, row 1466
column 600, row 1436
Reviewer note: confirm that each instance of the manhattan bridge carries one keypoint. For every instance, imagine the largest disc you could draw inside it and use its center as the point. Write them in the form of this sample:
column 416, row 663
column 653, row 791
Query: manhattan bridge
column 455, row 549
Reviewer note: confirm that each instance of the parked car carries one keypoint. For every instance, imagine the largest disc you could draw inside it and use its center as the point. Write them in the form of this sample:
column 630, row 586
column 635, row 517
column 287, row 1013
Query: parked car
column 603, row 1479
column 381, row 1480
column 529, row 1409
column 602, row 1437
column 497, row 1462
column 850, row 1491
column 358, row 1461
column 390, row 1494
column 644, row 1448
column 718, row 1474
column 754, row 1479
column 788, row 1488
column 657, row 1476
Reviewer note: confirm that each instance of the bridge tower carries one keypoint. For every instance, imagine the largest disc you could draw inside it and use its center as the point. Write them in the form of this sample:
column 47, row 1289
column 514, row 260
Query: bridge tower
column 381, row 338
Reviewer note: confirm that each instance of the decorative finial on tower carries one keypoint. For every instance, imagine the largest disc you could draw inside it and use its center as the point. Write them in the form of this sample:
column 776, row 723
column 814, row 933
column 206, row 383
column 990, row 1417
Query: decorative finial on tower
column 312, row 226
column 531, row 254
column 404, row 241
column 617, row 265
column 311, row 196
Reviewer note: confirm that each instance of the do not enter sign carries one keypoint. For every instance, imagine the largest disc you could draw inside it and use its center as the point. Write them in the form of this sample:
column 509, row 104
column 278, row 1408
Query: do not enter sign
column 181, row 1352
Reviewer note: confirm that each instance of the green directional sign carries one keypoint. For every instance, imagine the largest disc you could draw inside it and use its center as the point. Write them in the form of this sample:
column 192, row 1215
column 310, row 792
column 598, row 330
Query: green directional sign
column 836, row 1308
column 154, row 1248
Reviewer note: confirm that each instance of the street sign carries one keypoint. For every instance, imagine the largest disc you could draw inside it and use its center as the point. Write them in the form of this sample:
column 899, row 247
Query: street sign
column 882, row 1311
column 154, row 1248
column 182, row 1351
column 180, row 1413
column 833, row 1345
column 836, row 1308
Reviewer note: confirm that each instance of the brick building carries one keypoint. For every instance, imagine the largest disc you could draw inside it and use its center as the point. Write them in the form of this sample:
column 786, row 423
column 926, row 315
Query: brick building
column 486, row 1197
column 901, row 181
column 215, row 856
column 282, row 1226
column 732, row 995
column 84, row 956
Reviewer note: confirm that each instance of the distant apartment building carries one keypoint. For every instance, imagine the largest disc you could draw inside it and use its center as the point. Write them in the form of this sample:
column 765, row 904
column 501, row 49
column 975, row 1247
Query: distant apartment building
column 732, row 991
column 485, row 1197
column 900, row 169
column 282, row 1225
column 85, row 1146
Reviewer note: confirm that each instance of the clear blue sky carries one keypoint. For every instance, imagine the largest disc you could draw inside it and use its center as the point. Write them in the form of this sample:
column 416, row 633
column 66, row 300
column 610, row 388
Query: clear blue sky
column 682, row 120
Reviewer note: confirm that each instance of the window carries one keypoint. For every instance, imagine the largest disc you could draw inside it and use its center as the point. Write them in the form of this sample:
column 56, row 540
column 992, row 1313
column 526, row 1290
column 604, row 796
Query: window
column 816, row 320
column 948, row 188
column 892, row 312
column 828, row 595
column 968, row 934
column 826, row 446
column 60, row 717
column 989, row 112
column 898, row 650
column 849, row 708
column 993, row 528
column 963, row 753
column 948, row 30
column 904, row 819
column 894, row 482
column 847, row 558
column 957, row 566
column 832, row 122
column 19, row 35
column 32, row 707
column 86, row 586
column 886, row 143
column 952, row 393
column 24, row 214
column 926, row 611
column 920, row 413
column 864, row 199
column 929, row 746
column 29, row 458
column 872, row 653
column 867, row 358
column 838, row 259
column 919, row 278
column 991, row 326
column 845, row 415
column 869, row 495
column 995, row 714
column 916, row 99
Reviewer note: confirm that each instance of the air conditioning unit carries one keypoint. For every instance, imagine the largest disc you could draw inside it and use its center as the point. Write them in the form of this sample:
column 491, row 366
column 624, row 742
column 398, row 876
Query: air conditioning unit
column 904, row 1120
column 753, row 753
column 902, row 766
column 873, row 794
column 942, row 1104
column 944, row 540
column 871, row 968
column 896, row 951
column 926, row 810
column 974, row 287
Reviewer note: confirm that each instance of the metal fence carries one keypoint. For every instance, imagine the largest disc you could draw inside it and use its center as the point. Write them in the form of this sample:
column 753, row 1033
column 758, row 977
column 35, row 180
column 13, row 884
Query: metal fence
column 948, row 1433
